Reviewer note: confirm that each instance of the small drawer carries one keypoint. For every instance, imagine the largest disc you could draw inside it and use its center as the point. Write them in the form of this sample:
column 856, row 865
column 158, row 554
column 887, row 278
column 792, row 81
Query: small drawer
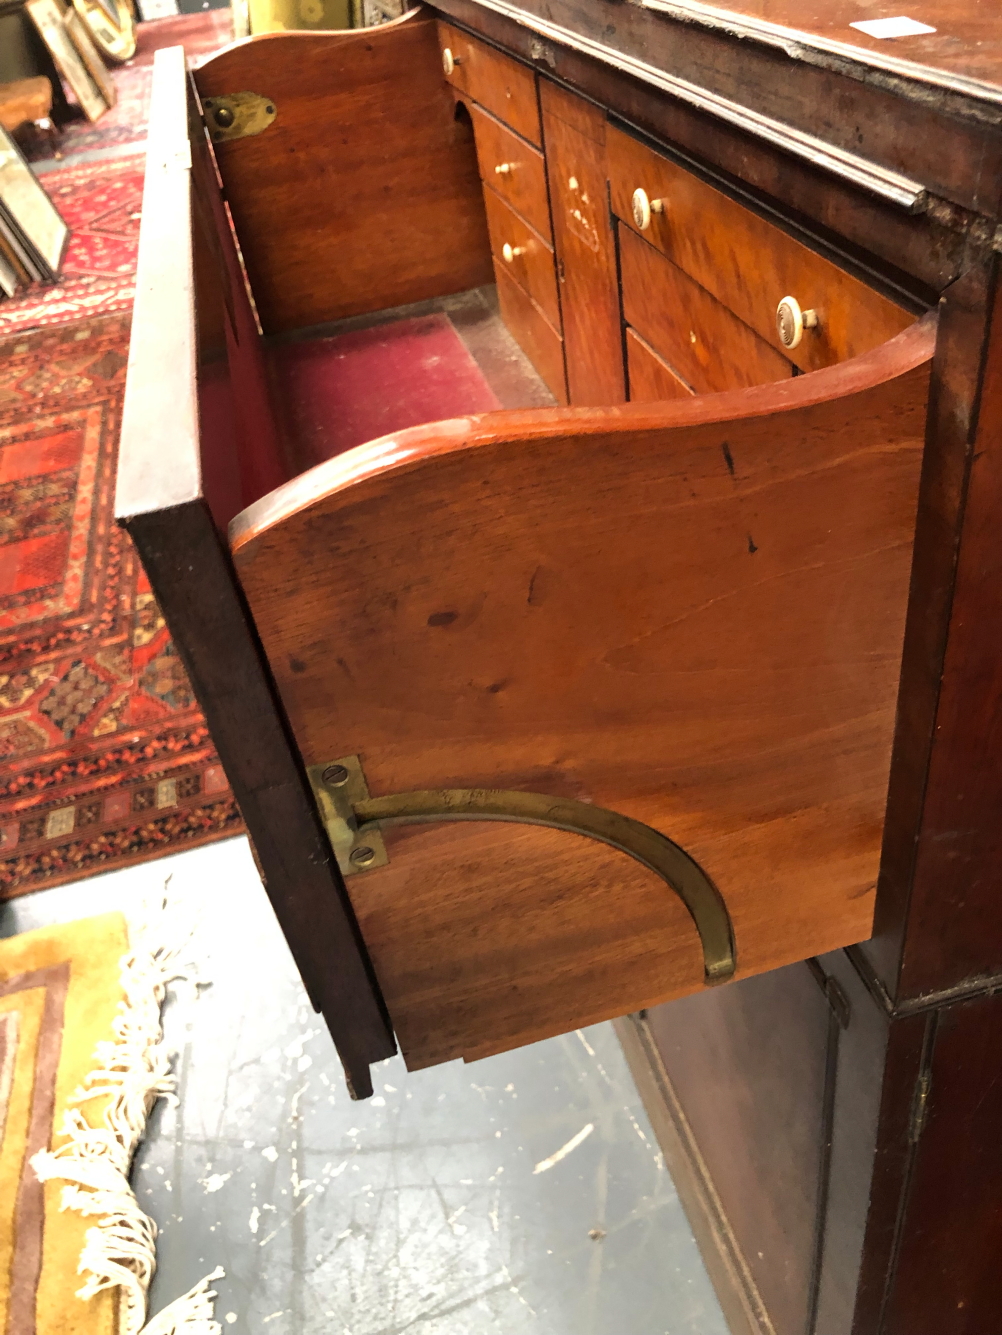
column 495, row 81
column 709, row 347
column 532, row 332
column 744, row 261
column 514, row 169
column 527, row 258
column 652, row 380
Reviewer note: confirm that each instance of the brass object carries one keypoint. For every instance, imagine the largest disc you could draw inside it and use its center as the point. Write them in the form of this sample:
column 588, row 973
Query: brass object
column 237, row 115
column 643, row 207
column 339, row 786
column 791, row 322
column 354, row 820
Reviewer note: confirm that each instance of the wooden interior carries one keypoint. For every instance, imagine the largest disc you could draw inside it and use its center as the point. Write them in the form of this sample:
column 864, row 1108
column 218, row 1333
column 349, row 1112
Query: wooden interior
column 645, row 606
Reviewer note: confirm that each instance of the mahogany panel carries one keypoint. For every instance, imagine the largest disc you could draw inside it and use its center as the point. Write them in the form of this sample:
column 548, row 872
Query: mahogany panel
column 954, row 929
column 585, row 245
column 532, row 332
column 748, row 263
column 502, row 85
column 647, row 607
column 363, row 193
column 711, row 348
column 532, row 263
column 747, row 1065
column 514, row 169
column 651, row 379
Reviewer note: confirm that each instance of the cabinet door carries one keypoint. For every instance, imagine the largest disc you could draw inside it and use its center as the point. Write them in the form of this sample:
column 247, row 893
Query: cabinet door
column 574, row 138
column 599, row 704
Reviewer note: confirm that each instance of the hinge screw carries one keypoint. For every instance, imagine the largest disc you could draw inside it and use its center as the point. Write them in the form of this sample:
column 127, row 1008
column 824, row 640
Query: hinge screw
column 361, row 857
column 335, row 775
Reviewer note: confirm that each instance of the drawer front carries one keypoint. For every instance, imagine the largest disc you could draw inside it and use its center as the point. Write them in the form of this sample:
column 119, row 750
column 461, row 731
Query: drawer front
column 514, row 169
column 746, row 262
column 524, row 256
column 652, row 380
column 495, row 81
column 707, row 345
column 535, row 335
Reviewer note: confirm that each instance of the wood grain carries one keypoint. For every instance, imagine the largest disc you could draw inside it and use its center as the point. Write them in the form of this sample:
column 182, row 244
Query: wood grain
column 532, row 332
column 746, row 262
column 506, row 88
column 586, row 249
column 533, row 268
column 363, row 193
column 711, row 348
column 522, row 183
column 648, row 607
column 651, row 379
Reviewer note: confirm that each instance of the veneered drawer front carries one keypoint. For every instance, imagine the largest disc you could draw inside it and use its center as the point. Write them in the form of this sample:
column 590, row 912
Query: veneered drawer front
column 528, row 259
column 533, row 332
column 691, row 330
column 746, row 262
column 495, row 81
column 652, row 380
column 514, row 169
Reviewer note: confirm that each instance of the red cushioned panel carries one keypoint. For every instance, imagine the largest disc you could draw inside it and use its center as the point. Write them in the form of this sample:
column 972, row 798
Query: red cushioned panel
column 339, row 392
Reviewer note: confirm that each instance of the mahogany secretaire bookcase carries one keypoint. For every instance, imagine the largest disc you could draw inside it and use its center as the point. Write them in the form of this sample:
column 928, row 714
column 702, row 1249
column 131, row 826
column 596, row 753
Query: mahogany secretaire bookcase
column 669, row 689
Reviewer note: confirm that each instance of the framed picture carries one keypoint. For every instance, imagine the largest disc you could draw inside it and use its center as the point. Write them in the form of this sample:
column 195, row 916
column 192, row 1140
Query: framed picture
column 111, row 24
column 34, row 234
column 76, row 57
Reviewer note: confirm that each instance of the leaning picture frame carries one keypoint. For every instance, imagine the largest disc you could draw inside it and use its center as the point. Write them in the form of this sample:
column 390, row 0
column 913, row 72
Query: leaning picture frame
column 63, row 32
column 37, row 229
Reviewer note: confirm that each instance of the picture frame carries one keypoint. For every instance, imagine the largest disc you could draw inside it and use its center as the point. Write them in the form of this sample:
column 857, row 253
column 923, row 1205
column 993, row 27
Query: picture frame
column 35, row 235
column 76, row 57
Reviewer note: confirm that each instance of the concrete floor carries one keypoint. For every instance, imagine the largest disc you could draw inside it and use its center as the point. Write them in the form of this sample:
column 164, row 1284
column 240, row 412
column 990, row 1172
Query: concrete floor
column 430, row 1208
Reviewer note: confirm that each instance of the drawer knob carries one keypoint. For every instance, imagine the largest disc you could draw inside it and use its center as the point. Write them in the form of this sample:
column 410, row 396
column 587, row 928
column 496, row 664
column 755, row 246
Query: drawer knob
column 791, row 322
column 449, row 61
column 503, row 168
column 643, row 207
column 509, row 252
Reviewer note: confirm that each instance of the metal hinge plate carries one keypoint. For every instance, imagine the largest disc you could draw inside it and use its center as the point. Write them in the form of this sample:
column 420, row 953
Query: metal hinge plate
column 237, row 115
column 338, row 785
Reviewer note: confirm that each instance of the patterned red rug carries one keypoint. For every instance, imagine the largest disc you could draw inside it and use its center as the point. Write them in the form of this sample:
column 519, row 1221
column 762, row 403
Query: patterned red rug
column 106, row 759
column 101, row 202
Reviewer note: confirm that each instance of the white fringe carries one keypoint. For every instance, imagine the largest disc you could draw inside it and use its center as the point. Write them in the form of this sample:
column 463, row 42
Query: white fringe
column 131, row 1072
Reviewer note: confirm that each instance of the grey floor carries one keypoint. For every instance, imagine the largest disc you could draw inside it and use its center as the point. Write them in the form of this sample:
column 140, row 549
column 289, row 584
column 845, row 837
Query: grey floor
column 434, row 1207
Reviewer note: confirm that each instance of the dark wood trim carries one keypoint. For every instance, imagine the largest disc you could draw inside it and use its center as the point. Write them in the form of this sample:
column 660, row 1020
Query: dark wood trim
column 729, row 1273
column 218, row 646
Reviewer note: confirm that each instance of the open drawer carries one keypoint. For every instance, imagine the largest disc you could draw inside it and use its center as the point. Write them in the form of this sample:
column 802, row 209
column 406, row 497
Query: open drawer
column 536, row 717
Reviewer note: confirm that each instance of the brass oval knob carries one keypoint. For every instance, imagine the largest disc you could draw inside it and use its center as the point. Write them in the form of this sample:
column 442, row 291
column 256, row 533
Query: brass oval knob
column 449, row 61
column 643, row 207
column 509, row 252
column 791, row 322
column 503, row 168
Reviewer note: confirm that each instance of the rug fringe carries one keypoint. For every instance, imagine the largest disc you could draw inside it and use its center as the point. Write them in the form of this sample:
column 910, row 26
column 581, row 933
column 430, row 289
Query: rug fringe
column 131, row 1073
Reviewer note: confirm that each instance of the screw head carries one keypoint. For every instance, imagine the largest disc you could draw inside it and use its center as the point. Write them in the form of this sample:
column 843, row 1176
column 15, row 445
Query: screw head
column 335, row 776
column 223, row 116
column 361, row 857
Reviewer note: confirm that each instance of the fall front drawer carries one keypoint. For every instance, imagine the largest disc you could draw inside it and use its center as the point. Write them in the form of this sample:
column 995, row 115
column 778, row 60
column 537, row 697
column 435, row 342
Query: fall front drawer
column 514, row 169
column 495, row 81
column 744, row 261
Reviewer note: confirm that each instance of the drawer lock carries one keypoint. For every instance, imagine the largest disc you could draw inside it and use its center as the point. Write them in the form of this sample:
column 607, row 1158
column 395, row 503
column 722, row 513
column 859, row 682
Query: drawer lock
column 354, row 822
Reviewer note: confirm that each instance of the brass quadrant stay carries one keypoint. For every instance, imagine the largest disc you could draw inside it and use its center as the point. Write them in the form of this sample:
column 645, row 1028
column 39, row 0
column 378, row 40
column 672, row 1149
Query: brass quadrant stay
column 354, row 819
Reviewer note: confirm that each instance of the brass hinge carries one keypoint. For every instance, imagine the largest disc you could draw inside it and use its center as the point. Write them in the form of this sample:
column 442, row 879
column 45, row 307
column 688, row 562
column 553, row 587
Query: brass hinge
column 920, row 1106
column 338, row 786
column 237, row 115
